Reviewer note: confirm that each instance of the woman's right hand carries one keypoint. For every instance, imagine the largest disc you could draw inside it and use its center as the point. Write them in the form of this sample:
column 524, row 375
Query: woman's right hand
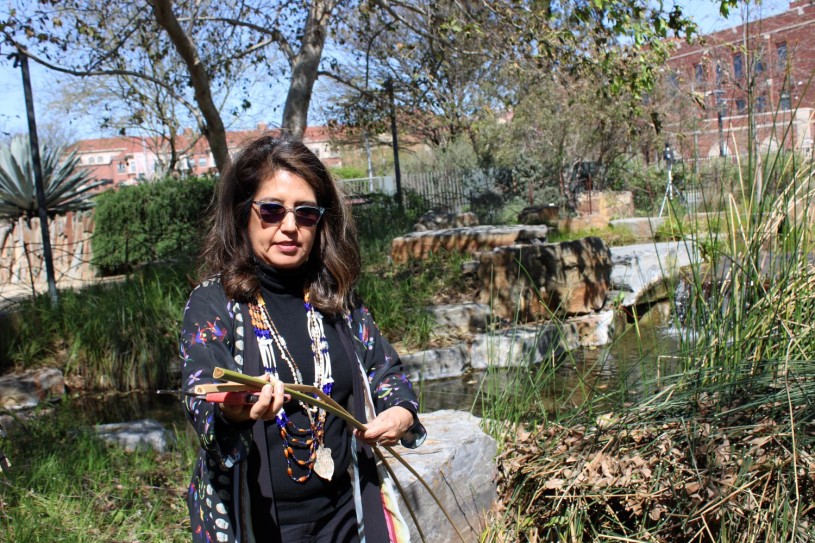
column 270, row 401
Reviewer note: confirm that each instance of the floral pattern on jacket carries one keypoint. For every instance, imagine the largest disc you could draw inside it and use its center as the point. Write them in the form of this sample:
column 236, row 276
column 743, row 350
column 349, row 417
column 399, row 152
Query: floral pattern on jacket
column 214, row 334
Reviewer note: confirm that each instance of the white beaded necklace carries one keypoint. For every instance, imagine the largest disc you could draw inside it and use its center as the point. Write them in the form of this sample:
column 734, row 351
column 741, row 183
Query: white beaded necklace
column 320, row 460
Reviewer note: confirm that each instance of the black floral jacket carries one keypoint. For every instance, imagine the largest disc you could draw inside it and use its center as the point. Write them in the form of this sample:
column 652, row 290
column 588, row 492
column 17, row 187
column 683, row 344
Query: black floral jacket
column 215, row 333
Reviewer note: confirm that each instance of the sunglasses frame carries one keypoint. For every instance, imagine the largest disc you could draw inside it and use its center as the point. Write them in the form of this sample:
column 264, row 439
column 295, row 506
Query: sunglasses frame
column 292, row 210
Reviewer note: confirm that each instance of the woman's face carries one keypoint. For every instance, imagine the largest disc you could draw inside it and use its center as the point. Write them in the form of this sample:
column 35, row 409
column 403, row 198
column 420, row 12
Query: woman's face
column 283, row 245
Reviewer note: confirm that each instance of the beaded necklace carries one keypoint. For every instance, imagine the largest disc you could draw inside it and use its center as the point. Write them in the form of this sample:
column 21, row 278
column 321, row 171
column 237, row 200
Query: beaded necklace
column 310, row 439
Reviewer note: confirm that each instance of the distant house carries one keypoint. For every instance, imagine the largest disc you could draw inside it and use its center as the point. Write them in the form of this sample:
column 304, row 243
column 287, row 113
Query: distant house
column 758, row 73
column 126, row 160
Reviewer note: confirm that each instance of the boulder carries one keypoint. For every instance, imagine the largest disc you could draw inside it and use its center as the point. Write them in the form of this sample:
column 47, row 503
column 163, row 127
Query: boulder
column 547, row 215
column 19, row 391
column 136, row 435
column 529, row 283
column 458, row 462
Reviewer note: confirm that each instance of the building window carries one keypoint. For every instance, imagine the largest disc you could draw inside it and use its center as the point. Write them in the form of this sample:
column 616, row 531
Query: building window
column 781, row 49
column 121, row 167
column 202, row 162
column 738, row 66
column 761, row 104
column 784, row 100
column 133, row 167
column 741, row 106
column 758, row 65
column 719, row 74
column 699, row 73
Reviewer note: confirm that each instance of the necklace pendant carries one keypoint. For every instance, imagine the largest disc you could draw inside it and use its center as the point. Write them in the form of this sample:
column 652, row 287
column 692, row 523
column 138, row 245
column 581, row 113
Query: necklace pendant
column 324, row 464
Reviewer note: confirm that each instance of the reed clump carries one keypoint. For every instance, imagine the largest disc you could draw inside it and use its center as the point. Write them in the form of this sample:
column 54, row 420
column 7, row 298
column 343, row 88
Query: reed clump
column 723, row 449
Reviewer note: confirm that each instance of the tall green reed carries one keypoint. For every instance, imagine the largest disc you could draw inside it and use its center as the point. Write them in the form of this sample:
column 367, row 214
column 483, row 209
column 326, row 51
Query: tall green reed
column 732, row 406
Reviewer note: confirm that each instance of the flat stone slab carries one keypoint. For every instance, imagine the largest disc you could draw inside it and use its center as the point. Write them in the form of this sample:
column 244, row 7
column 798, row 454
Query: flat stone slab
column 643, row 273
column 639, row 227
column 469, row 240
column 458, row 462
column 136, row 435
column 18, row 391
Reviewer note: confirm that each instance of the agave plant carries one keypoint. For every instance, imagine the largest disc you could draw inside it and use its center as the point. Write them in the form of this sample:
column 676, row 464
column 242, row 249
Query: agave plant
column 66, row 187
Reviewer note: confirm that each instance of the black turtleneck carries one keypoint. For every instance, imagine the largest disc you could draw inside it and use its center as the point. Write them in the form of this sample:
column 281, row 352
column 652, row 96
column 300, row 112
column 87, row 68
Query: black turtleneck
column 282, row 291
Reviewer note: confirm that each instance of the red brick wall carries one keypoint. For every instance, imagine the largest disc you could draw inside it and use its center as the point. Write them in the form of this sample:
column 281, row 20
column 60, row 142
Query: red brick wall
column 720, row 69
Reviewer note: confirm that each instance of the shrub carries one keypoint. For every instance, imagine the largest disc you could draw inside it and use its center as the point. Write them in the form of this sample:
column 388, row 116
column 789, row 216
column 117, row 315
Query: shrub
column 349, row 172
column 161, row 221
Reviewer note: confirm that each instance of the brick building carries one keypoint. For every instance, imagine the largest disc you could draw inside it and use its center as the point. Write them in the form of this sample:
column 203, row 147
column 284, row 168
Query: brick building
column 128, row 159
column 755, row 76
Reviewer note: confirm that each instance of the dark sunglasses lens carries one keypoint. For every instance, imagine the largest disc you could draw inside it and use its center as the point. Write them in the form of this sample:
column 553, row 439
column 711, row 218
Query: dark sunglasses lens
column 307, row 215
column 272, row 213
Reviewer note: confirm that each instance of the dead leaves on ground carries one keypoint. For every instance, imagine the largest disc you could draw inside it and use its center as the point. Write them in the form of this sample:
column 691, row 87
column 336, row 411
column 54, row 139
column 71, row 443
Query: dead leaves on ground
column 681, row 480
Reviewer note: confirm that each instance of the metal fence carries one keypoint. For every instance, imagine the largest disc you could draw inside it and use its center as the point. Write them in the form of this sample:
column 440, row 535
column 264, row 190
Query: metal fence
column 450, row 191
column 442, row 191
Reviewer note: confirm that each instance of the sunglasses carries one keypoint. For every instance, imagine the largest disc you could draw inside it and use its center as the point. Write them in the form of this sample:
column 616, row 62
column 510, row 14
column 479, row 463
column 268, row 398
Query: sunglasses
column 273, row 213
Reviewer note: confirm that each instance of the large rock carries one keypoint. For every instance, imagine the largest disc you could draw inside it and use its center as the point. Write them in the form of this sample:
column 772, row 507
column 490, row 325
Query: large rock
column 459, row 319
column 136, row 435
column 436, row 363
column 439, row 220
column 548, row 215
column 646, row 273
column 30, row 388
column 472, row 240
column 608, row 204
column 458, row 462
column 533, row 282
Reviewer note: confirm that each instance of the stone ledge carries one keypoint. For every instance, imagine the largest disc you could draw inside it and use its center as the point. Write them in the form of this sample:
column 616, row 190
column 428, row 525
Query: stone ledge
column 469, row 240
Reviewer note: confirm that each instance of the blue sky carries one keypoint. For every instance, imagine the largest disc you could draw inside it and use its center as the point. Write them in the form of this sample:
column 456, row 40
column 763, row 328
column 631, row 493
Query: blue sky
column 12, row 105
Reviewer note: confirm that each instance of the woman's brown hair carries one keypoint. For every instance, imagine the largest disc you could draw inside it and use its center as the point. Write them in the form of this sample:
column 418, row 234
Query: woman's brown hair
column 333, row 265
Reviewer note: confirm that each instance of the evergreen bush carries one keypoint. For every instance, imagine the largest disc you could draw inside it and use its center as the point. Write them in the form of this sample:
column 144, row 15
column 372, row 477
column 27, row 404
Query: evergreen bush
column 150, row 222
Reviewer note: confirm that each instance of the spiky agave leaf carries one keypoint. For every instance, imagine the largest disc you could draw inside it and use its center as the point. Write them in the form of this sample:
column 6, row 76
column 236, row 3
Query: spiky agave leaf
column 66, row 187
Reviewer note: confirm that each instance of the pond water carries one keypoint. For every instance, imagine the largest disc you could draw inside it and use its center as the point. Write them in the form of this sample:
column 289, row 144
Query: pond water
column 583, row 372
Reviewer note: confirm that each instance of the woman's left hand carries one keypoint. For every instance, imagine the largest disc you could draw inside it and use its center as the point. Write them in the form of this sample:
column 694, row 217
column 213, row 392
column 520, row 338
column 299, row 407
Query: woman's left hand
column 387, row 428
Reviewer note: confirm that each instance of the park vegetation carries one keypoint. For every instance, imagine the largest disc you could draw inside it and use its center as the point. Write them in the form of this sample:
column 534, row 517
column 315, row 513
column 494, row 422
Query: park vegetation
column 711, row 442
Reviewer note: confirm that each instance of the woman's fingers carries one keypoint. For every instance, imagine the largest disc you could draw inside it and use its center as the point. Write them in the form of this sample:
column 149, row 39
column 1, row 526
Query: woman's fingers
column 387, row 428
column 270, row 401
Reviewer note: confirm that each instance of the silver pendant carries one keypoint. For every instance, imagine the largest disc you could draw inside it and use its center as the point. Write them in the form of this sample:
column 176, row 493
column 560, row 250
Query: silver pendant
column 324, row 464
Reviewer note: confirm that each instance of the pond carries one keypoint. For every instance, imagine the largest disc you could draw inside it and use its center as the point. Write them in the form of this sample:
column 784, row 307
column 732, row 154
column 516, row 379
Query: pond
column 583, row 372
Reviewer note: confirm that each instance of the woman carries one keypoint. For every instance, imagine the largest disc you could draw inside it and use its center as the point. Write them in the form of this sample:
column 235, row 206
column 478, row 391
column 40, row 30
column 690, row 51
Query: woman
column 280, row 262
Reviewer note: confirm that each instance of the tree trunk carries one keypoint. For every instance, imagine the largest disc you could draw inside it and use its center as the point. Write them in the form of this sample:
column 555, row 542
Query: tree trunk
column 213, row 127
column 305, row 66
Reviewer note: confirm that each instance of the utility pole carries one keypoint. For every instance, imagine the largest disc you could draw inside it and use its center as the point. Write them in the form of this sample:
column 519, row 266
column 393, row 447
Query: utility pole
column 42, row 211
column 397, row 171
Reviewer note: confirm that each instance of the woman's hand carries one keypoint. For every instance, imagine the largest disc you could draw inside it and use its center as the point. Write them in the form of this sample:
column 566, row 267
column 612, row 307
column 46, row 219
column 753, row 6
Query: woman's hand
column 387, row 428
column 270, row 400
